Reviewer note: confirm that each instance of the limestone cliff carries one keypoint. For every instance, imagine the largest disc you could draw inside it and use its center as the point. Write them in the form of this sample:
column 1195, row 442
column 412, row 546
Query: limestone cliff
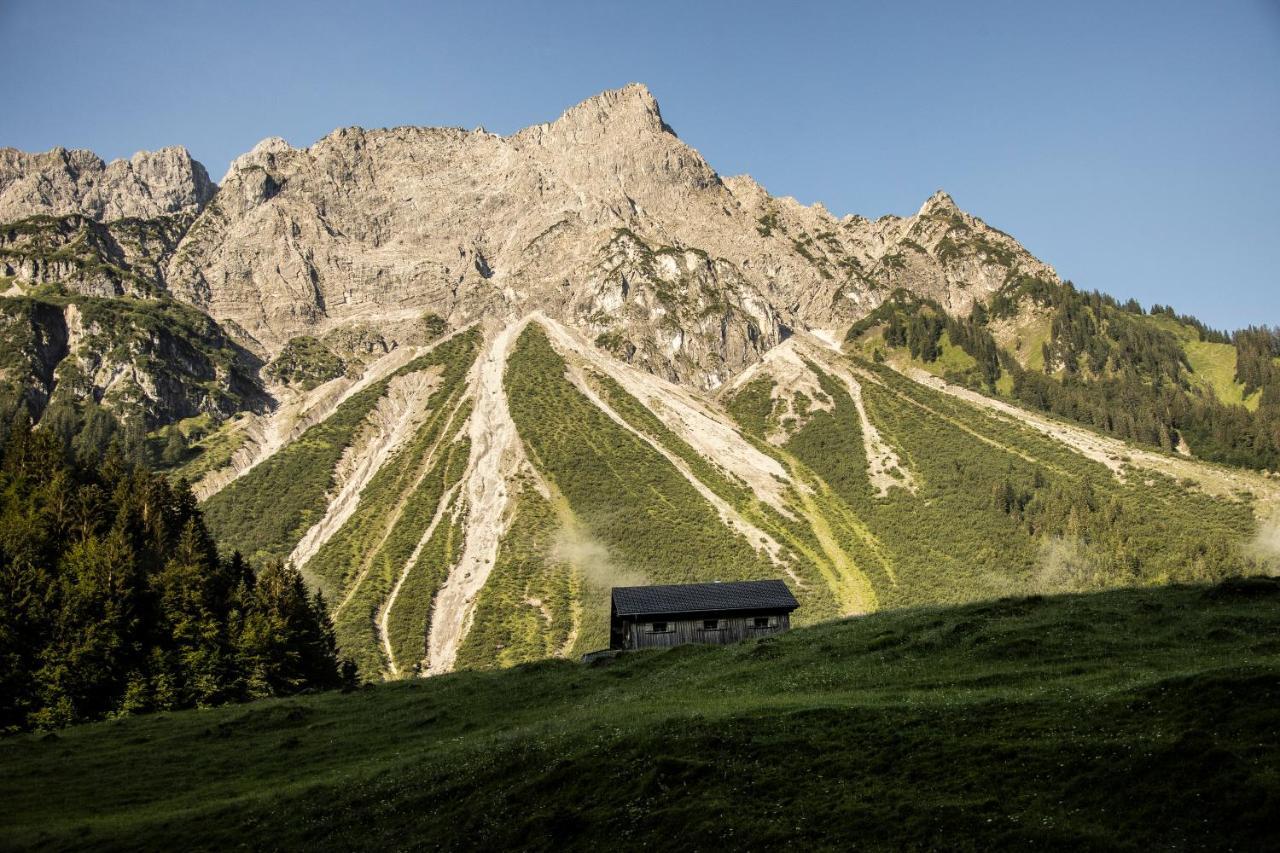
column 603, row 218
column 61, row 182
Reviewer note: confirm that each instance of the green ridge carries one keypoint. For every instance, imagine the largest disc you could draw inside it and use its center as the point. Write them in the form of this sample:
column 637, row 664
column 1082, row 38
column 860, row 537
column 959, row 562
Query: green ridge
column 266, row 512
column 631, row 501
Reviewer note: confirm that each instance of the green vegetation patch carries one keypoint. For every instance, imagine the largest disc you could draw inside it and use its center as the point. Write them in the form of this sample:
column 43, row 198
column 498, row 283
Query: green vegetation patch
column 647, row 522
column 305, row 362
column 528, row 607
column 266, row 512
column 1134, row 719
column 409, row 623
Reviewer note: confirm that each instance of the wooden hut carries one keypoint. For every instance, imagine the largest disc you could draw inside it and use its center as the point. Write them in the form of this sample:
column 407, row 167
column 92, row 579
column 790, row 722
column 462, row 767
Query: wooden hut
column 644, row 617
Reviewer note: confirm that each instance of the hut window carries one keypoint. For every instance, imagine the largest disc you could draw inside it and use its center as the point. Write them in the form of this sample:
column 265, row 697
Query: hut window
column 764, row 622
column 711, row 624
column 658, row 627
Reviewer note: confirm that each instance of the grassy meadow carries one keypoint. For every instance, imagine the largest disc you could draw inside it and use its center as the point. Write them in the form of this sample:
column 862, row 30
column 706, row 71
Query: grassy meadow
column 1121, row 720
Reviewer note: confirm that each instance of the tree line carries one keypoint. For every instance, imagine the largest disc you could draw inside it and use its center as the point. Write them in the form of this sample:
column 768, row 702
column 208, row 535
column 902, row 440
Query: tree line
column 114, row 599
column 1105, row 367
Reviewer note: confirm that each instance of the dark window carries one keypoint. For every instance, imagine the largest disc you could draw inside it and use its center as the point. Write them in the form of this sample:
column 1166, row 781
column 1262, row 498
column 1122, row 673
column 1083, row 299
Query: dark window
column 657, row 627
column 711, row 624
column 762, row 622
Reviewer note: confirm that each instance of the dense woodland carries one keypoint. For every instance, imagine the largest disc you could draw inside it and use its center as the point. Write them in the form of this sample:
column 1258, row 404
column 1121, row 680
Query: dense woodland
column 1106, row 365
column 114, row 599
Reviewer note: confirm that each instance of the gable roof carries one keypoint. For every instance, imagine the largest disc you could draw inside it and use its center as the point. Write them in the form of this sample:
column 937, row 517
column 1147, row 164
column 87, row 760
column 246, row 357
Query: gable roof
column 702, row 598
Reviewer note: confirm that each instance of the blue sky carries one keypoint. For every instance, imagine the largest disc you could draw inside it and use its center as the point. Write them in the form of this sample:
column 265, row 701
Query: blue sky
column 1134, row 146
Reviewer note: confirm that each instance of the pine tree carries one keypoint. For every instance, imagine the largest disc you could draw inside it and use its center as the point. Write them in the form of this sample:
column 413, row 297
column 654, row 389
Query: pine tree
column 113, row 598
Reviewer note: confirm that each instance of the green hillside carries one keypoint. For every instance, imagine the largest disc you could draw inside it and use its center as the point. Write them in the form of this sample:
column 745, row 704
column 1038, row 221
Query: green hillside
column 609, row 494
column 1130, row 720
column 999, row 508
column 1153, row 378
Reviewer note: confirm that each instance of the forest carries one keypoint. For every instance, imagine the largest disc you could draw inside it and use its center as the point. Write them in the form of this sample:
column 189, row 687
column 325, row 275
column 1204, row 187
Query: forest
column 1108, row 365
column 114, row 599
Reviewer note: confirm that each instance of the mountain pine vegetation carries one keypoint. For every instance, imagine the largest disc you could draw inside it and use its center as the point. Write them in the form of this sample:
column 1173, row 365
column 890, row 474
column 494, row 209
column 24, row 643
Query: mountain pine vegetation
column 1037, row 516
column 1107, row 365
column 268, row 510
column 116, row 601
column 632, row 503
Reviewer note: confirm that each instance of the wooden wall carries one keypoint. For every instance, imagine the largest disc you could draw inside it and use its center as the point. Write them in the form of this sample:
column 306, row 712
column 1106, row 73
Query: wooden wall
column 681, row 631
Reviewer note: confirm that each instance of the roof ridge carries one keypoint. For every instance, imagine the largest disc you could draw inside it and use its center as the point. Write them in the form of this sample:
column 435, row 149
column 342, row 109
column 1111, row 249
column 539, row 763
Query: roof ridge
column 703, row 597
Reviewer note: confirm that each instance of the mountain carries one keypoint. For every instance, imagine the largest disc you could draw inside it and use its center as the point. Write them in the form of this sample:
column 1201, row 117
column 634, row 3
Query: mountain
column 466, row 383
column 602, row 219
column 1159, row 379
column 62, row 182
column 1131, row 719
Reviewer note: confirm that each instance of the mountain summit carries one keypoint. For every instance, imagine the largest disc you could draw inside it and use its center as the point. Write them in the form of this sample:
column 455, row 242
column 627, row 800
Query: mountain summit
column 602, row 218
column 466, row 383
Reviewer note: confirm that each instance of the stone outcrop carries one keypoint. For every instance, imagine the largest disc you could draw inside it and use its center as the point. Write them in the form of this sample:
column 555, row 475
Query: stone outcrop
column 125, row 257
column 62, row 182
column 150, row 362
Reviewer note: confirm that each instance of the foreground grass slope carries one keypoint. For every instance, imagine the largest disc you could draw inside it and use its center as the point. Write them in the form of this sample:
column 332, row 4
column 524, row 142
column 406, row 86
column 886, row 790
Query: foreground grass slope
column 1127, row 719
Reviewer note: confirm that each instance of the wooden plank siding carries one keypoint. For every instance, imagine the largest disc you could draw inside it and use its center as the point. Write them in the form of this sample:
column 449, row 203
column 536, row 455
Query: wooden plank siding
column 733, row 629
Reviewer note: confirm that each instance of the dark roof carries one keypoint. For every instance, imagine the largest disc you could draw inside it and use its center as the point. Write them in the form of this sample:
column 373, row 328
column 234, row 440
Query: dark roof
column 702, row 598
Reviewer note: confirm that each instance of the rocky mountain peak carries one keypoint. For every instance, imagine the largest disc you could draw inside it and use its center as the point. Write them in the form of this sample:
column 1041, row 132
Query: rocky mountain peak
column 258, row 155
column 939, row 202
column 619, row 118
column 632, row 104
column 63, row 182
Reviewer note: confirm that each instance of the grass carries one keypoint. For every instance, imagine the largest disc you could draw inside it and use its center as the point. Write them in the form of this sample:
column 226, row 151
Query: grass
column 1215, row 365
column 360, row 563
column 305, row 362
column 409, row 624
column 640, row 519
column 949, row 542
column 526, row 610
column 951, row 362
column 1125, row 720
column 1024, row 337
column 213, row 450
column 266, row 512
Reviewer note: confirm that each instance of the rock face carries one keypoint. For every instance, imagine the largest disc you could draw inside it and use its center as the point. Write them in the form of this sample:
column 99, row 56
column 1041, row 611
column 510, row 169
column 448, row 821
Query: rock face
column 125, row 257
column 149, row 362
column 602, row 219
column 62, row 182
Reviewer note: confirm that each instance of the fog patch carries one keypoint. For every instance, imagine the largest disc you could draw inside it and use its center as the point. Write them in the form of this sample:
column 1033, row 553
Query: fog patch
column 1065, row 564
column 590, row 556
column 1264, row 548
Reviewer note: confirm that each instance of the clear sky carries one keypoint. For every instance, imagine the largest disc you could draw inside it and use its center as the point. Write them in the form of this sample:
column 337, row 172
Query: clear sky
column 1134, row 146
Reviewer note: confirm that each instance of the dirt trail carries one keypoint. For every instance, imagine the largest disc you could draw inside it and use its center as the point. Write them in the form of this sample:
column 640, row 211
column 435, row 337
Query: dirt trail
column 384, row 618
column 687, row 415
column 266, row 434
column 393, row 421
column 755, row 537
column 496, row 454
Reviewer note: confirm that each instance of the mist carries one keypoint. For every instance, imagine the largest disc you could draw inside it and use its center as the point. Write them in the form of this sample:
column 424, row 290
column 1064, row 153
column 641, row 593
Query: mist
column 1264, row 547
column 590, row 556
